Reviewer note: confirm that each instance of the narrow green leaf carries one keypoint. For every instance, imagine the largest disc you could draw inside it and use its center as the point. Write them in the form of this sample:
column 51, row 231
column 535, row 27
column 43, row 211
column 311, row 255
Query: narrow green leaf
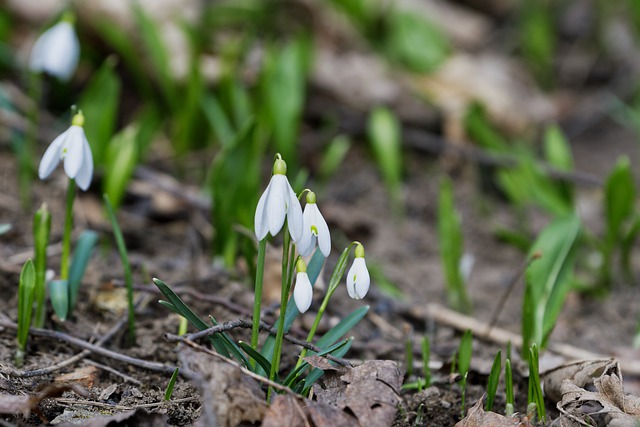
column 535, row 388
column 508, row 379
column 81, row 254
column 41, row 234
column 450, row 242
column 181, row 308
column 59, row 296
column 26, row 288
column 233, row 348
column 343, row 327
column 171, row 385
column 548, row 279
column 99, row 104
column 217, row 119
column 492, row 383
column 264, row 363
column 620, row 196
column 464, row 353
column 121, row 161
column 316, row 373
column 556, row 149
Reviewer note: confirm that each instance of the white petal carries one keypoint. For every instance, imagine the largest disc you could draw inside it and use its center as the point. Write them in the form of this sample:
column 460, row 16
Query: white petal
column 56, row 51
column 260, row 220
column 358, row 279
column 294, row 215
column 73, row 152
column 52, row 156
column 276, row 205
column 324, row 237
column 85, row 174
column 308, row 240
column 303, row 292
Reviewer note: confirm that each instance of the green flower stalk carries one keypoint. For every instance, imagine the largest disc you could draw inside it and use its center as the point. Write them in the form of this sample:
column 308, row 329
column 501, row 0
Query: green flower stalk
column 41, row 233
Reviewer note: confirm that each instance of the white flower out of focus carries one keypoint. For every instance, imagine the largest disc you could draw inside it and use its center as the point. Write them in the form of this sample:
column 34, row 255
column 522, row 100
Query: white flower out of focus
column 303, row 292
column 57, row 50
column 358, row 279
column 277, row 202
column 73, row 148
column 315, row 229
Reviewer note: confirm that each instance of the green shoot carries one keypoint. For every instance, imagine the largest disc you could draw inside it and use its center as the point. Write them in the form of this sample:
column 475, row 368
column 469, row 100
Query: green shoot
column 81, row 254
column 620, row 196
column 171, row 385
column 333, row 156
column 535, row 395
column 508, row 383
column 464, row 353
column 426, row 357
column 494, row 379
column 408, row 351
column 548, row 280
column 463, row 397
column 41, row 233
column 451, row 247
column 26, row 288
column 124, row 258
column 384, row 134
column 121, row 160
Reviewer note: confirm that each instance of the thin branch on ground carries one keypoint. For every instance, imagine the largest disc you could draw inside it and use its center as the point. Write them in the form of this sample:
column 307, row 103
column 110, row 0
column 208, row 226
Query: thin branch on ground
column 113, row 371
column 70, row 401
column 77, row 342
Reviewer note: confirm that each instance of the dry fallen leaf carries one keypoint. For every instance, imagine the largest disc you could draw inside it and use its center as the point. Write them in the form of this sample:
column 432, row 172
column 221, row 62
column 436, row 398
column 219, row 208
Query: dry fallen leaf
column 370, row 391
column 301, row 412
column 10, row 404
column 608, row 406
column 580, row 373
column 229, row 397
column 477, row 417
column 85, row 376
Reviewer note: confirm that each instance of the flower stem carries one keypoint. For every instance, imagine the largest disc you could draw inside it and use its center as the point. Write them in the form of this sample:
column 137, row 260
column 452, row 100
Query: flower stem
column 66, row 237
column 257, row 299
column 314, row 327
column 284, row 297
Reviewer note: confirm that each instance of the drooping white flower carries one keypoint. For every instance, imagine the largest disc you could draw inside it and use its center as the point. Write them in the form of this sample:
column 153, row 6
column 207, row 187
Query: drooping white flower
column 72, row 147
column 57, row 50
column 303, row 292
column 314, row 229
column 358, row 279
column 277, row 202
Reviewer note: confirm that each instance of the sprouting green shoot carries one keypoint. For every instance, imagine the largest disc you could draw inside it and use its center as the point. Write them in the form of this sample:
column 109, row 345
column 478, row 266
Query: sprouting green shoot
column 492, row 384
column 26, row 289
column 508, row 383
column 124, row 257
column 171, row 385
column 450, row 242
column 535, row 395
column 41, row 233
column 426, row 356
column 464, row 353
column 463, row 386
column 408, row 351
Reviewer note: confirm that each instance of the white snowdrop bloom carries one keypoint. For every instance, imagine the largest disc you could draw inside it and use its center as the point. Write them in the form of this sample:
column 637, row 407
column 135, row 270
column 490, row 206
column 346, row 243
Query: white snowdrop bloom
column 277, row 202
column 303, row 292
column 314, row 229
column 57, row 50
column 358, row 279
column 72, row 147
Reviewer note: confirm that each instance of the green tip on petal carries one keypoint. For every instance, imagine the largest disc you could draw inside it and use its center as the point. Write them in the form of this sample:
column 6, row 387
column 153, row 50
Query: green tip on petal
column 301, row 266
column 78, row 119
column 311, row 197
column 68, row 16
column 279, row 167
column 359, row 251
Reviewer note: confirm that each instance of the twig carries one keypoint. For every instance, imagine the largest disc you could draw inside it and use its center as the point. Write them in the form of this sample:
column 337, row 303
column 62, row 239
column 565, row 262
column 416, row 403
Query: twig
column 461, row 322
column 246, row 324
column 70, row 401
column 113, row 371
column 152, row 366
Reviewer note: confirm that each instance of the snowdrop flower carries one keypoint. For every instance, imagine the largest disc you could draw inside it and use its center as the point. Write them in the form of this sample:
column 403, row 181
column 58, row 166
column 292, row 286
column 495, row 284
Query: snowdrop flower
column 73, row 147
column 278, row 201
column 57, row 50
column 315, row 228
column 358, row 279
column 303, row 292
